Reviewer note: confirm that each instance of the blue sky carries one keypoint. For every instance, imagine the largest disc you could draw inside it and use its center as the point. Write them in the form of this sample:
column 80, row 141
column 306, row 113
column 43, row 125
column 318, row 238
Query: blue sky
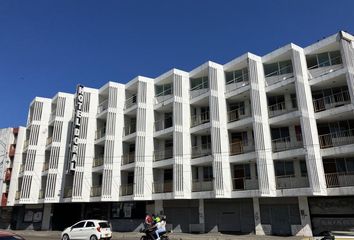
column 50, row 46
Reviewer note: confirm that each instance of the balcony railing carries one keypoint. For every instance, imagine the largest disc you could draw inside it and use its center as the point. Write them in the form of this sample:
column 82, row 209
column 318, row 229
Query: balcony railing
column 163, row 154
column 45, row 166
column 100, row 133
column 98, row 161
column 130, row 102
column 163, row 187
column 128, row 158
column 201, row 186
column 244, row 183
column 326, row 67
column 237, row 114
column 337, row 138
column 279, row 109
column 49, row 141
column 240, row 148
column 102, row 107
column 41, row 194
column 331, row 101
column 199, row 90
column 129, row 129
column 201, row 150
column 126, row 189
column 339, row 179
column 199, row 119
column 18, row 195
column 95, row 191
column 68, row 192
column 164, row 96
column 163, row 124
column 283, row 144
column 290, row 181
column 279, row 75
column 238, row 82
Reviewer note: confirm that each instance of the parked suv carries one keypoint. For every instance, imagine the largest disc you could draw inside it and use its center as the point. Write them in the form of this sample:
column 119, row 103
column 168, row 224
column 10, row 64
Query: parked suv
column 88, row 230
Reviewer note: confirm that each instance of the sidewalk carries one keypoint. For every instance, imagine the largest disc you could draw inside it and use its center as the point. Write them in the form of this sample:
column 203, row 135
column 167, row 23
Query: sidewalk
column 173, row 236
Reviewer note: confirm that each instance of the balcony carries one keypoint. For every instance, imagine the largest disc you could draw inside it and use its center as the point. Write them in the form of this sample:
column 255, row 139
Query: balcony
column 126, row 189
column 199, row 90
column 130, row 102
column 22, row 168
column 237, row 114
column 244, row 183
column 331, row 65
column 52, row 116
column 102, row 107
column 237, row 82
column 199, row 119
column 41, row 194
column 237, row 148
column 164, row 95
column 68, row 192
column 128, row 158
column 164, row 154
column 163, row 187
column 49, row 141
column 12, row 150
column 336, row 139
column 201, row 150
column 345, row 179
column 4, row 199
column 45, row 166
column 25, row 144
column 290, row 181
column 97, row 161
column 163, row 124
column 279, row 109
column 100, row 133
column 202, row 186
column 130, row 129
column 283, row 144
column 331, row 101
column 17, row 195
column 96, row 191
column 279, row 75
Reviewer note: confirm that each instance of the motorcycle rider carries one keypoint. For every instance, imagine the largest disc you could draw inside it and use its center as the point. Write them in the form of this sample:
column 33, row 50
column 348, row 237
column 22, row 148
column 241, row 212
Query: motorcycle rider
column 160, row 227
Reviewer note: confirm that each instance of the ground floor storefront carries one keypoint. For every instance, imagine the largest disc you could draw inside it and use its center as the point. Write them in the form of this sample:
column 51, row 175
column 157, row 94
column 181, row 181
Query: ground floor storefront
column 262, row 216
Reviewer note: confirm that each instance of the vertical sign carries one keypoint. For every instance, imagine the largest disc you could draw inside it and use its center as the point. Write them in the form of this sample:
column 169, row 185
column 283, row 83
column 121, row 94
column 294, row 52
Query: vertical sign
column 76, row 126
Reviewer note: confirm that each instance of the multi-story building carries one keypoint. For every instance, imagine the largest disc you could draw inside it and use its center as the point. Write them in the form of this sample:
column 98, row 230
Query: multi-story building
column 11, row 140
column 260, row 144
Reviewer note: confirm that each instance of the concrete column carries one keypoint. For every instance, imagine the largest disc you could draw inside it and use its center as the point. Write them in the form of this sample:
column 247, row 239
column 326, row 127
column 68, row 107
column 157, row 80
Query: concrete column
column 247, row 107
column 292, row 134
column 202, row 214
column 257, row 217
column 305, row 218
column 47, row 213
column 158, row 207
column 347, row 53
column 308, row 123
column 287, row 99
column 261, row 128
column 219, row 132
column 297, row 169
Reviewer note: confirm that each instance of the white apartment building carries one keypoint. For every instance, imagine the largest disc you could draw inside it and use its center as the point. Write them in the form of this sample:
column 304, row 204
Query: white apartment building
column 260, row 144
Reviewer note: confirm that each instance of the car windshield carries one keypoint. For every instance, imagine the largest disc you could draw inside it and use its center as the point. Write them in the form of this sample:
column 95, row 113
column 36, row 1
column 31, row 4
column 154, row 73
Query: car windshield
column 104, row 224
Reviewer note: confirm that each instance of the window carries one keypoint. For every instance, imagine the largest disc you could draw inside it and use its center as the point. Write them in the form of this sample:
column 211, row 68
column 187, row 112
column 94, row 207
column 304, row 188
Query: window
column 236, row 76
column 293, row 100
column 104, row 224
column 199, row 83
column 303, row 168
column 79, row 225
column 208, row 173
column 278, row 68
column 128, row 210
column 90, row 224
column 323, row 59
column 206, row 142
column 273, row 100
column 284, row 168
column 278, row 133
column 163, row 90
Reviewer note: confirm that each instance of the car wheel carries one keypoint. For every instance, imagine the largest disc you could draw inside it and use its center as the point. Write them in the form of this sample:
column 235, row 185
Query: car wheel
column 93, row 237
column 65, row 237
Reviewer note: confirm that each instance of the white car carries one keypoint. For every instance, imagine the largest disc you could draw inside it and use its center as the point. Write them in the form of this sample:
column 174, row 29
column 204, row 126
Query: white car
column 88, row 230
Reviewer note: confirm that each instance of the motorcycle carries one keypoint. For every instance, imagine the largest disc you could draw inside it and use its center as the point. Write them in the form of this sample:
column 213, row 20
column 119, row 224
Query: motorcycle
column 150, row 234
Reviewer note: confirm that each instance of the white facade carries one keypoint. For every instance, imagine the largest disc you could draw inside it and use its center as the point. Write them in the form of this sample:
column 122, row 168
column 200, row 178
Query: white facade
column 257, row 127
